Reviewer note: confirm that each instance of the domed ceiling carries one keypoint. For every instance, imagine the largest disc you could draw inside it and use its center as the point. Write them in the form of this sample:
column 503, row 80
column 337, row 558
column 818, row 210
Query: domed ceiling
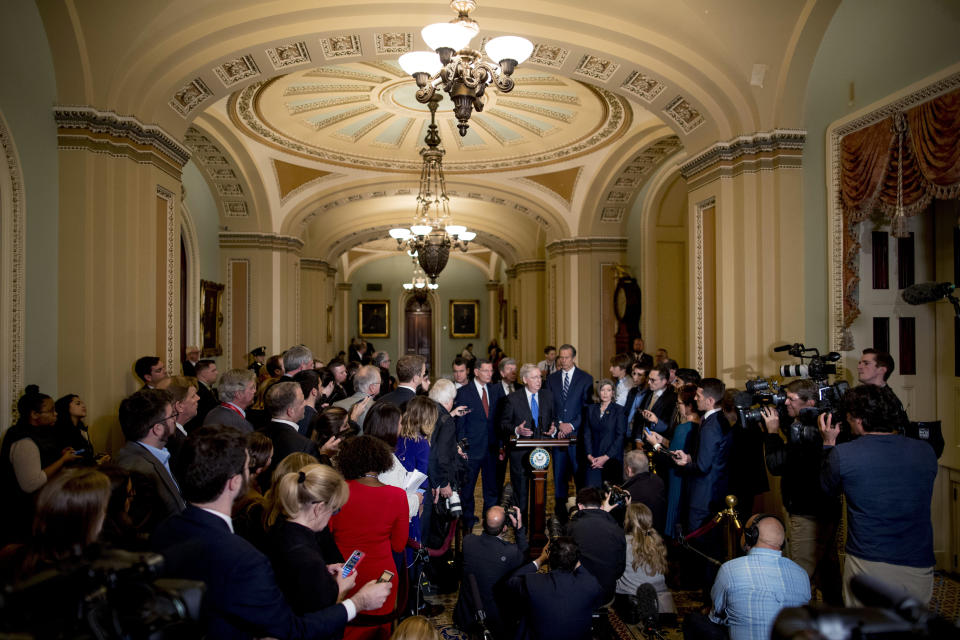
column 365, row 115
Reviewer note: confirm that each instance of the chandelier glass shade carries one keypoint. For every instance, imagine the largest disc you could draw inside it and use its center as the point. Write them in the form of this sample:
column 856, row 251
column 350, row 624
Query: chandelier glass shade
column 432, row 234
column 460, row 71
column 418, row 282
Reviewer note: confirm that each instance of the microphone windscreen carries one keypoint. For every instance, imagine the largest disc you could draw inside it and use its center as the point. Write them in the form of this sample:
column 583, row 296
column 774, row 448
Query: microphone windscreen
column 647, row 604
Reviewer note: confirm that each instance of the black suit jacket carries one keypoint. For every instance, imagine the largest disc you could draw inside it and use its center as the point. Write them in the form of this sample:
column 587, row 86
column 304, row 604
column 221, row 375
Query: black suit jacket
column 603, row 547
column 208, row 400
column 399, row 396
column 647, row 488
column 516, row 410
column 189, row 369
column 223, row 415
column 286, row 440
column 443, row 462
column 301, row 568
column 559, row 604
column 242, row 598
column 491, row 560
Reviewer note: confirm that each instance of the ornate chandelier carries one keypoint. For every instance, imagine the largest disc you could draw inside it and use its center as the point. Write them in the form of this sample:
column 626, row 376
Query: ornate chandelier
column 432, row 234
column 418, row 282
column 459, row 70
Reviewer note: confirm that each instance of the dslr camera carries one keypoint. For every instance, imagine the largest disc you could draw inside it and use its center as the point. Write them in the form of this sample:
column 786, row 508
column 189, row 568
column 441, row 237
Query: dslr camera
column 618, row 495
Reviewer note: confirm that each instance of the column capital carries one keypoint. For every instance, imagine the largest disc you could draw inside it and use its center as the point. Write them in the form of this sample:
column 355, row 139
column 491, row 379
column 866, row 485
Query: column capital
column 511, row 272
column 493, row 285
column 255, row 240
column 344, row 286
column 526, row 266
column 761, row 151
column 315, row 264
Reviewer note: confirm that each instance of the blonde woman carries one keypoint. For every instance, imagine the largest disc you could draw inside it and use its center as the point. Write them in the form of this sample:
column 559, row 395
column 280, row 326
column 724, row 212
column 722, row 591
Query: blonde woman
column 307, row 499
column 646, row 559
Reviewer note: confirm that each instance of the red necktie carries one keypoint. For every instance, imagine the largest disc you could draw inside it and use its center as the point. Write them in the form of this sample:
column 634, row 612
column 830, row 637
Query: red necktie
column 485, row 403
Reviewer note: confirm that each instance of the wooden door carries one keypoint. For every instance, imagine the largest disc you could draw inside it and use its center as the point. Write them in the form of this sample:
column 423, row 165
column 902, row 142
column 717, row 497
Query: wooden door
column 419, row 329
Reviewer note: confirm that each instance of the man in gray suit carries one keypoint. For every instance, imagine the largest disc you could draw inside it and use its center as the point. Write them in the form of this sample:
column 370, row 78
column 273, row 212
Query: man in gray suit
column 236, row 388
column 367, row 385
column 148, row 420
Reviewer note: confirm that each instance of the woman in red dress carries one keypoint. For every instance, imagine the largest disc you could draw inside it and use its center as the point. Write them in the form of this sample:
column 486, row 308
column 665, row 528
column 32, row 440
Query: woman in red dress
column 375, row 521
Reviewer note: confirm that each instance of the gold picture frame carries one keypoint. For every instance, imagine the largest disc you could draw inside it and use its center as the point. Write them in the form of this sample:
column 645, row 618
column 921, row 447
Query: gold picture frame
column 373, row 318
column 211, row 318
column 464, row 318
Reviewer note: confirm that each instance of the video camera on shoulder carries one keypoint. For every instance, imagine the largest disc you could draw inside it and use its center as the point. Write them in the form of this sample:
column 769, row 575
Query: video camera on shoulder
column 760, row 393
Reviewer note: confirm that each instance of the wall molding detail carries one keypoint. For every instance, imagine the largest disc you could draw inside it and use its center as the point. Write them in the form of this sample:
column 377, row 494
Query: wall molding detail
column 763, row 151
column 170, row 276
column 255, row 240
column 698, row 342
column 89, row 129
column 586, row 245
column 12, row 240
column 315, row 264
column 527, row 266
column 191, row 244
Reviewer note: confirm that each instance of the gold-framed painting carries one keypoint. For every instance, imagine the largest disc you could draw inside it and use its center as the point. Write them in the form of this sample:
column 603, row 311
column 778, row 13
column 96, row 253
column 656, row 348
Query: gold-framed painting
column 373, row 318
column 211, row 318
column 464, row 318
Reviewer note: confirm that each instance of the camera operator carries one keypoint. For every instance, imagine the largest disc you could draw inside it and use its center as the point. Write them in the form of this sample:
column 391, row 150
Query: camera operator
column 875, row 368
column 603, row 549
column 558, row 604
column 888, row 481
column 490, row 558
column 813, row 516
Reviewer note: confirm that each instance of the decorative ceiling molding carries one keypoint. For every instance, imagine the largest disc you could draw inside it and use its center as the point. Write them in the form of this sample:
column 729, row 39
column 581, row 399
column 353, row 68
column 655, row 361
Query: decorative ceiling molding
column 586, row 245
column 618, row 196
column 315, row 264
column 266, row 241
column 292, row 179
column 288, row 55
column 684, row 114
column 190, row 96
column 86, row 128
column 746, row 154
column 558, row 183
column 222, row 172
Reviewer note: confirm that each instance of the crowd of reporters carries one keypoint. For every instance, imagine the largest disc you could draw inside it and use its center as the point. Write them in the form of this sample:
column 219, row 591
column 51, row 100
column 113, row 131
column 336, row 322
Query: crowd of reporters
column 261, row 486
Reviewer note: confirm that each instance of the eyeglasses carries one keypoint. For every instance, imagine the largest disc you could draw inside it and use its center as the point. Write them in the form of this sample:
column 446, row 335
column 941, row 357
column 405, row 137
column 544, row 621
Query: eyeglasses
column 169, row 417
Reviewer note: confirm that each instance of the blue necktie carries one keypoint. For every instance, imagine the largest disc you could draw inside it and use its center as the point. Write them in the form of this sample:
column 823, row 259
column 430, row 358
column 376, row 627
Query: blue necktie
column 566, row 384
column 634, row 407
column 534, row 410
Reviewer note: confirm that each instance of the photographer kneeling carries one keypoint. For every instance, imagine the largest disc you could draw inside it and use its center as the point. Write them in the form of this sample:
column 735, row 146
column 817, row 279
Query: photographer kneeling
column 888, row 481
column 490, row 558
column 603, row 548
column 813, row 516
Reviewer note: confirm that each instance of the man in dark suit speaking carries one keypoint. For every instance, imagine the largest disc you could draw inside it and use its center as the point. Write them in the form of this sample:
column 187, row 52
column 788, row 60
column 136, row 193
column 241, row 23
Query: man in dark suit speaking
column 527, row 413
column 479, row 427
column 572, row 389
column 242, row 598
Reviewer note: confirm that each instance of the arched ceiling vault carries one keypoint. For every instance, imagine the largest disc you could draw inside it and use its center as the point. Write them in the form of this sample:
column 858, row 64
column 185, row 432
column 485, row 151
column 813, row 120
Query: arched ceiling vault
column 688, row 61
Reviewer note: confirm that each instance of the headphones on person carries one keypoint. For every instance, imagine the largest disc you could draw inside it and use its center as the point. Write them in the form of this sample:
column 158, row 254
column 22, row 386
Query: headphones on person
column 751, row 534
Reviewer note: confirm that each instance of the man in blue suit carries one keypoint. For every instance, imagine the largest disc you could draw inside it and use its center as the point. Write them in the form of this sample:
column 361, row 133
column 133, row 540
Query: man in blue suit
column 572, row 389
column 242, row 598
column 479, row 427
column 707, row 470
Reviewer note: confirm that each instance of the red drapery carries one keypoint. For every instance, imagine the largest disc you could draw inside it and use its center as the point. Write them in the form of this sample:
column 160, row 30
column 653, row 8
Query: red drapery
column 870, row 160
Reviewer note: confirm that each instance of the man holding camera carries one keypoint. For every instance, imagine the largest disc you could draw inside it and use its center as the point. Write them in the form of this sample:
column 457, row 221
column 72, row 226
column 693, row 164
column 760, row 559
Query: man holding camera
column 490, row 558
column 813, row 516
column 888, row 481
column 603, row 547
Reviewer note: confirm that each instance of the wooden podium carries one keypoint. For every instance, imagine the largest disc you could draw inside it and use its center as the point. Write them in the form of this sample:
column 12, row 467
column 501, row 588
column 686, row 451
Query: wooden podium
column 537, row 500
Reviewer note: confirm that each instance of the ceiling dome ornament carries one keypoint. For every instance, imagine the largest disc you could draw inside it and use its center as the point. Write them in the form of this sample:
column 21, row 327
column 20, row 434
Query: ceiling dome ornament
column 432, row 234
column 459, row 70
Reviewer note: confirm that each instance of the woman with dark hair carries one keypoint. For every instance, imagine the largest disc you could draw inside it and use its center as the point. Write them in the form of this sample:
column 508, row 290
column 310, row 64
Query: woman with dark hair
column 119, row 530
column 374, row 521
column 69, row 516
column 383, row 422
column 30, row 455
column 684, row 435
column 70, row 428
column 603, row 432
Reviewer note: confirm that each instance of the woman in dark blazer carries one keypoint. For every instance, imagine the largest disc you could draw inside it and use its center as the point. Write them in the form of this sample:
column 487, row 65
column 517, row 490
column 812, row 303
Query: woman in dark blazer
column 603, row 432
column 308, row 499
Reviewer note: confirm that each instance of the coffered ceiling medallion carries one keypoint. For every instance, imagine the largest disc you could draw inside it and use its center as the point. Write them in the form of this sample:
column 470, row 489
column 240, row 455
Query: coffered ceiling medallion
column 366, row 115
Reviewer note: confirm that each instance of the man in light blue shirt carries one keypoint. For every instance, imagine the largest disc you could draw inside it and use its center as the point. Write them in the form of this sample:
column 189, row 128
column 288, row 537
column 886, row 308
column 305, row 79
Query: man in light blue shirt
column 751, row 590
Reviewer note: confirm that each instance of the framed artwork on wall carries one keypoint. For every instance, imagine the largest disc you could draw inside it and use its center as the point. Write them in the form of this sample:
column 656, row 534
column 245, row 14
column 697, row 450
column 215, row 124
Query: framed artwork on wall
column 373, row 318
column 211, row 318
column 464, row 318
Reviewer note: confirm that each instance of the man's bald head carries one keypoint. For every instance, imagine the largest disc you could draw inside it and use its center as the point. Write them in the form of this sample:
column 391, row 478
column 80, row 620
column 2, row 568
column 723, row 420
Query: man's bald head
column 770, row 529
column 495, row 520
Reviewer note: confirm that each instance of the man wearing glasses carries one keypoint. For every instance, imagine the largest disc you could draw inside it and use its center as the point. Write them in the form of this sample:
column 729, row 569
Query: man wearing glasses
column 148, row 420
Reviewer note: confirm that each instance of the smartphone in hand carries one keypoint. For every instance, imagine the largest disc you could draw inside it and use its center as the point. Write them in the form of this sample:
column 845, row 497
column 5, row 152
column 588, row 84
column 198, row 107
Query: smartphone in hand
column 351, row 564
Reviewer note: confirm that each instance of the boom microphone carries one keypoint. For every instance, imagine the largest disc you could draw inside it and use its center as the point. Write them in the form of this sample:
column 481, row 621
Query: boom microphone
column 925, row 292
column 783, row 347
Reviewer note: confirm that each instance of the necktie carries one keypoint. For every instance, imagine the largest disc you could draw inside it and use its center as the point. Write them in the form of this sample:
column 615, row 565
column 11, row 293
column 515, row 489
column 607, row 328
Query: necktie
column 485, row 403
column 534, row 410
column 649, row 402
column 566, row 384
column 633, row 408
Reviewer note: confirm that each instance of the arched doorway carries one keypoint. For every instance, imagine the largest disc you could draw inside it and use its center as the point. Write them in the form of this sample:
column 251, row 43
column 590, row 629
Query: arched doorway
column 418, row 329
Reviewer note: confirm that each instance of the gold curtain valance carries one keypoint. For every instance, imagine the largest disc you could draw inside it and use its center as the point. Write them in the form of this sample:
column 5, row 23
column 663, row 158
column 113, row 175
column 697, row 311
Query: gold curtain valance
column 870, row 168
